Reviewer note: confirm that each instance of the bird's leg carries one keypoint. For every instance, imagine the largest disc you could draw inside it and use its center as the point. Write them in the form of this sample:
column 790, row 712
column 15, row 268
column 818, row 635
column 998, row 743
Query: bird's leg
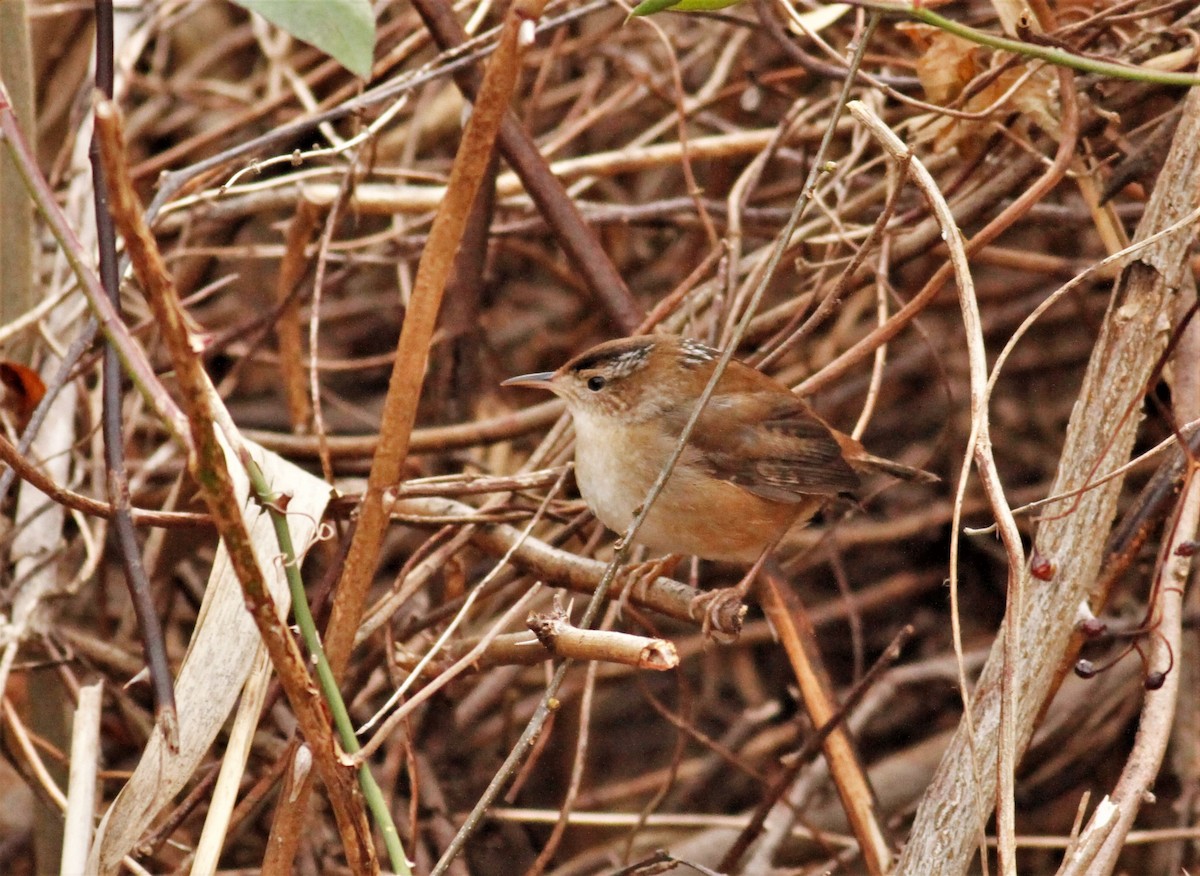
column 743, row 586
column 722, row 603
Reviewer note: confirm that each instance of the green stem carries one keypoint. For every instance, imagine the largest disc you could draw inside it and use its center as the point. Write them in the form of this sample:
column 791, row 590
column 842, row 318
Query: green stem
column 312, row 641
column 1049, row 54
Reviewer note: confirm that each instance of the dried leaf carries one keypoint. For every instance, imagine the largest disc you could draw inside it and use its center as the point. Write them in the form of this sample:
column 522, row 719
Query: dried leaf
column 23, row 389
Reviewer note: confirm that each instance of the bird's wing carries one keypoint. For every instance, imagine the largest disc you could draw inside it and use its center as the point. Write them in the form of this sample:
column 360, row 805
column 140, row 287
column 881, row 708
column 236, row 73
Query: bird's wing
column 771, row 444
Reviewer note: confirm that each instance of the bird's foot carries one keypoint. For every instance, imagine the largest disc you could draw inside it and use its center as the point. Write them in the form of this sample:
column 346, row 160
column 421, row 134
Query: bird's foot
column 720, row 613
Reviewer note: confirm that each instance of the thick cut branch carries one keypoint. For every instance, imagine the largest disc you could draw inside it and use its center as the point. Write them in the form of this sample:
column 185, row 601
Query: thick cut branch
column 1101, row 433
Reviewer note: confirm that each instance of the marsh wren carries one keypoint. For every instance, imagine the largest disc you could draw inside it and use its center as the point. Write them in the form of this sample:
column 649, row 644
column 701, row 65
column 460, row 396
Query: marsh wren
column 758, row 461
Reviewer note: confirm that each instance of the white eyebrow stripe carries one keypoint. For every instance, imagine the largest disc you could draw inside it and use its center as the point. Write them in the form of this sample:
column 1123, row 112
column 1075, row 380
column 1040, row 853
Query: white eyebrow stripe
column 626, row 363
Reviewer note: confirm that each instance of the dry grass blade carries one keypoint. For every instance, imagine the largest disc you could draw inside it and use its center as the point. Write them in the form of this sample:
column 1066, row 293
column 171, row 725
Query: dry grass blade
column 81, row 793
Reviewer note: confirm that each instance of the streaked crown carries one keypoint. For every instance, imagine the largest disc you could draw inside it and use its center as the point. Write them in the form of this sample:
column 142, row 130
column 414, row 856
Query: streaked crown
column 634, row 377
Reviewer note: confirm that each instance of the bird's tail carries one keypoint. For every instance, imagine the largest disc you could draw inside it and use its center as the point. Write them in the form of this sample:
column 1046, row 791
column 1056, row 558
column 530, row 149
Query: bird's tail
column 895, row 469
column 861, row 460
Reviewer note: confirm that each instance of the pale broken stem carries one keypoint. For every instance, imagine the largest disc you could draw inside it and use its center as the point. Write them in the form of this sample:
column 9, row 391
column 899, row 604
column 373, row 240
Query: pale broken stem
column 1075, row 836
column 1093, row 836
column 979, row 448
column 316, row 310
column 80, row 815
column 561, row 638
column 224, row 796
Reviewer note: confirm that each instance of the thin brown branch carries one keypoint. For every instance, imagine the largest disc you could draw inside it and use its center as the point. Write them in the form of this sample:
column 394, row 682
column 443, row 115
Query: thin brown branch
column 412, row 350
column 27, row 471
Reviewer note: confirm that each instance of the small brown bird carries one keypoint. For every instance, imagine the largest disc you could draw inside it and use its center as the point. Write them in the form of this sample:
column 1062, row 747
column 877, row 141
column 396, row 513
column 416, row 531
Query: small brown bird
column 758, row 461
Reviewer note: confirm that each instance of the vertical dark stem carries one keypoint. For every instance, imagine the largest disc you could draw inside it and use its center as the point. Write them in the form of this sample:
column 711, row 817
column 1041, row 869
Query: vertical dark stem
column 114, row 445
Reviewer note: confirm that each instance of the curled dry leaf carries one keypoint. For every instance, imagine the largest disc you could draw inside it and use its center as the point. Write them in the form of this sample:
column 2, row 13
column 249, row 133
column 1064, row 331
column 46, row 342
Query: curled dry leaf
column 23, row 390
column 948, row 65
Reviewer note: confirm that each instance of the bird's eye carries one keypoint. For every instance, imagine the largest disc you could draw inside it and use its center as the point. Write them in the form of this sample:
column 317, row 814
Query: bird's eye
column 596, row 383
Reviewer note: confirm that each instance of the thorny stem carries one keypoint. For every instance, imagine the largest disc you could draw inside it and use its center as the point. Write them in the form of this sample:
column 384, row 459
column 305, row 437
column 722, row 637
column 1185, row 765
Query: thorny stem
column 271, row 501
column 1049, row 54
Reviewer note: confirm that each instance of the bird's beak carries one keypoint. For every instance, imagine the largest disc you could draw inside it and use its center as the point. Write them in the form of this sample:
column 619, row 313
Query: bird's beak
column 540, row 380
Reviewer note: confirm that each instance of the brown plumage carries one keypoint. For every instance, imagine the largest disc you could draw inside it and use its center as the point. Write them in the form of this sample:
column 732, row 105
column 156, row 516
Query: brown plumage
column 759, row 460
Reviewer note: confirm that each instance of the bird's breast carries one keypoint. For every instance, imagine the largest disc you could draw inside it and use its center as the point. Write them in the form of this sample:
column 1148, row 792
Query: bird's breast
column 611, row 468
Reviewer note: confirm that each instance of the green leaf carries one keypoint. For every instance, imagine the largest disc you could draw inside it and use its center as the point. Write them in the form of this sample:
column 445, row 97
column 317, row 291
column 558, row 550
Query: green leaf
column 649, row 7
column 342, row 29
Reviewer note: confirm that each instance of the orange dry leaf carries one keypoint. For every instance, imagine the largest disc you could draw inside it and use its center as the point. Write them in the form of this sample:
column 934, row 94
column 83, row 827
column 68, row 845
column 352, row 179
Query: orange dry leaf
column 946, row 67
column 946, row 63
column 23, row 390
